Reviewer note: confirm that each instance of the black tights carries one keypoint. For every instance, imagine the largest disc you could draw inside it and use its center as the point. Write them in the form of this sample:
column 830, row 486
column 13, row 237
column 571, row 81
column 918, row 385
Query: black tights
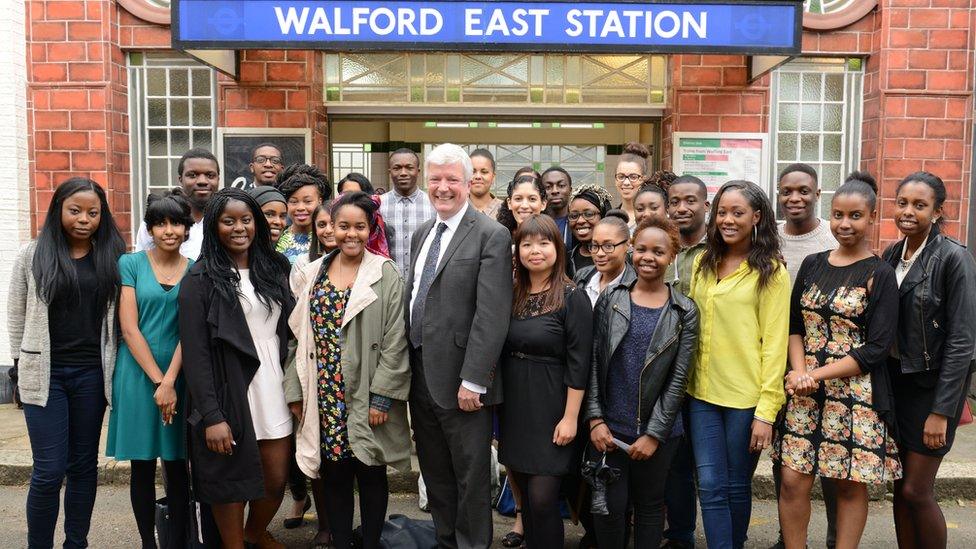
column 541, row 518
column 919, row 522
column 142, row 493
column 337, row 480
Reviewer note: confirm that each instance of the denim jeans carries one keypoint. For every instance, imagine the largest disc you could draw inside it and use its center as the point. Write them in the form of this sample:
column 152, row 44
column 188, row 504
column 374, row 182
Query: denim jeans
column 720, row 438
column 680, row 497
column 64, row 442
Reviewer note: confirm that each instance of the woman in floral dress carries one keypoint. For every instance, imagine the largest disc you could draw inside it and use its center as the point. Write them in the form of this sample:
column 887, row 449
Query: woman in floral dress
column 843, row 319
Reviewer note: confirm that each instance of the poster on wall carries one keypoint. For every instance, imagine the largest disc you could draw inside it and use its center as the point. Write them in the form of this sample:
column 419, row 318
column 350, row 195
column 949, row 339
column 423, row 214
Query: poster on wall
column 716, row 158
column 236, row 145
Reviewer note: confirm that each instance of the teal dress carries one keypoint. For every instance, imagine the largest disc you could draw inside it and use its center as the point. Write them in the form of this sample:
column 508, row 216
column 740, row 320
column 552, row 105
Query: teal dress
column 135, row 426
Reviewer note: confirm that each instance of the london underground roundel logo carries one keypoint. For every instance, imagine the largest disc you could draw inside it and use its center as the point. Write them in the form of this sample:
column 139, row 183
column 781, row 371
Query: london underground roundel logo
column 834, row 14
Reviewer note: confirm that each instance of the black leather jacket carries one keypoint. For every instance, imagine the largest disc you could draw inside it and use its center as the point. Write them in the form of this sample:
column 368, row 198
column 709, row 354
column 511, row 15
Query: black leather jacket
column 664, row 378
column 937, row 316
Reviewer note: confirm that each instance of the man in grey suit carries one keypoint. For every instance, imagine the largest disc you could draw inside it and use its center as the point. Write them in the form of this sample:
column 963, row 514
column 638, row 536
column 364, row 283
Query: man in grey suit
column 459, row 305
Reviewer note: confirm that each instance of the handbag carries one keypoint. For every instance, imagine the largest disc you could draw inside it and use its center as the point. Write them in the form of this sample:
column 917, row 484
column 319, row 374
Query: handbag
column 401, row 532
column 967, row 414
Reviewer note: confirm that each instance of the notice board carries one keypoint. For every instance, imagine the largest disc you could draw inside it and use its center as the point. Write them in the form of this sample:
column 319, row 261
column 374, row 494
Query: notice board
column 236, row 145
column 716, row 158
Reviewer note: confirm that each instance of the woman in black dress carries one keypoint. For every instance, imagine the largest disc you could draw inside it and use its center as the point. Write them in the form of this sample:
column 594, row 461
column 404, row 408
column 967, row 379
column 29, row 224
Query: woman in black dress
column 545, row 365
column 932, row 361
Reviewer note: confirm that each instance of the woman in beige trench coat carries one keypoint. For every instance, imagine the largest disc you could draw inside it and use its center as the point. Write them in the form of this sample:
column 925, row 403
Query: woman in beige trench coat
column 351, row 378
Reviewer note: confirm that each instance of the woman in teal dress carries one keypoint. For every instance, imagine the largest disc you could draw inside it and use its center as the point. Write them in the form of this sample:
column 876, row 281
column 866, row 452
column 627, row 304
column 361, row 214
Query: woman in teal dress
column 147, row 401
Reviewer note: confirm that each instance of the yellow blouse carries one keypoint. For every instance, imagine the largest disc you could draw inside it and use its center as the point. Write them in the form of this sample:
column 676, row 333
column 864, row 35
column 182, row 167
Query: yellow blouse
column 743, row 336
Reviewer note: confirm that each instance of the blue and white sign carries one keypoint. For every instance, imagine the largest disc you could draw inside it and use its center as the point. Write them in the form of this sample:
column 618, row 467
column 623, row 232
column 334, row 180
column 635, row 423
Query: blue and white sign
column 750, row 26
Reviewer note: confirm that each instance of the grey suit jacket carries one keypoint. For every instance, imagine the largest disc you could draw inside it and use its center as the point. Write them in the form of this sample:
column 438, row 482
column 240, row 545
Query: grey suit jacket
column 467, row 310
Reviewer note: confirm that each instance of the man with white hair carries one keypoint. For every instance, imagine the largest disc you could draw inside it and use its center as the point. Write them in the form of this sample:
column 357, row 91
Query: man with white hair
column 458, row 309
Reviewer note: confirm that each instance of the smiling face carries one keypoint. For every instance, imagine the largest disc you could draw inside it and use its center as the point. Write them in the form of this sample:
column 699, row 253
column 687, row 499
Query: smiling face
column 628, row 178
column 277, row 215
column 325, row 230
column 404, row 170
column 351, row 230
column 735, row 218
column 558, row 190
column 81, row 213
column 168, row 235
column 798, row 195
column 649, row 204
column 235, row 230
column 265, row 165
column 537, row 253
column 915, row 210
column 652, row 253
column 301, row 204
column 525, row 201
column 199, row 180
column 612, row 262
column 851, row 218
column 483, row 178
column 446, row 188
column 687, row 206
column 583, row 216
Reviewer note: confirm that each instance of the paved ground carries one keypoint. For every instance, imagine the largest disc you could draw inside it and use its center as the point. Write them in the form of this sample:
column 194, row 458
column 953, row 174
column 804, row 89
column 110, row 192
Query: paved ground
column 113, row 526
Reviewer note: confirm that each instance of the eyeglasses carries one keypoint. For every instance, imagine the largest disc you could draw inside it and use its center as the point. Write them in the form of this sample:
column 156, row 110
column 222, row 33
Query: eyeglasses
column 633, row 177
column 276, row 160
column 607, row 248
column 585, row 215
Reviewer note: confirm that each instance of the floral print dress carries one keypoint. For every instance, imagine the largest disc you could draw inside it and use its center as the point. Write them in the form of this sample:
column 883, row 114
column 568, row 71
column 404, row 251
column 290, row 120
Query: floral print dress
column 292, row 245
column 327, row 306
column 836, row 431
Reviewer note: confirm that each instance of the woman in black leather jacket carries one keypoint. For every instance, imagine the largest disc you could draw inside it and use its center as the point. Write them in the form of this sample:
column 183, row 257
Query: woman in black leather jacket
column 932, row 361
column 644, row 334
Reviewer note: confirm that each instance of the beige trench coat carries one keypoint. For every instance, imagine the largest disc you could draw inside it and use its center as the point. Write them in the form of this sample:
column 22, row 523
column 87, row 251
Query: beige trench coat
column 374, row 360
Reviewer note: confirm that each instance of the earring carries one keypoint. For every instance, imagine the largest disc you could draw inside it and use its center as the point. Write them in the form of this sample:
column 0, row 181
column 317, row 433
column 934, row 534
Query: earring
column 755, row 232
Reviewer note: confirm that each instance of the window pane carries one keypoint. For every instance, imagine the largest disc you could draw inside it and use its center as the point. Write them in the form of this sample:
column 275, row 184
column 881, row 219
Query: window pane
column 830, row 177
column 809, row 148
column 825, row 198
column 832, row 147
column 201, row 83
column 788, row 115
column 179, row 112
column 789, row 87
column 786, row 146
column 157, row 143
column 157, row 112
column 812, row 86
column 156, row 82
column 201, row 112
column 833, row 118
column 179, row 82
column 179, row 142
column 834, row 87
column 203, row 139
column 810, row 118
column 158, row 172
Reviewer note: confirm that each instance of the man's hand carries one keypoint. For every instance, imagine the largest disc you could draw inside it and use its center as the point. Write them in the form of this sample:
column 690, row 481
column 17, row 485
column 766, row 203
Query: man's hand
column 469, row 401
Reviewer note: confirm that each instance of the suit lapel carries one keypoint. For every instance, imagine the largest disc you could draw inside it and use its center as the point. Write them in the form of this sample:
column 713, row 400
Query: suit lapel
column 467, row 223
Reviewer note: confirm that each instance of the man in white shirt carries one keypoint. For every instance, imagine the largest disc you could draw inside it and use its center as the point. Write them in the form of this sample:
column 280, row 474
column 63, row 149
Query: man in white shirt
column 199, row 177
column 458, row 308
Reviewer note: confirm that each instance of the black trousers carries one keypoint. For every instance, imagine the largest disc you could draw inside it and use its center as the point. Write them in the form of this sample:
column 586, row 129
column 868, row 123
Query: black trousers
column 641, row 485
column 455, row 460
column 337, row 478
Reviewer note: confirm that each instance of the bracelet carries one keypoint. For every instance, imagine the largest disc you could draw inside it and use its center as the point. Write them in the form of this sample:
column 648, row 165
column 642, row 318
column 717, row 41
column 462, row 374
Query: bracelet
column 597, row 425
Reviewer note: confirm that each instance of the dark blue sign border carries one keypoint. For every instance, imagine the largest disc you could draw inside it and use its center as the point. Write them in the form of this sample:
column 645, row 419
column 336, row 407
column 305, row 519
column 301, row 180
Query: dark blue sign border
column 421, row 45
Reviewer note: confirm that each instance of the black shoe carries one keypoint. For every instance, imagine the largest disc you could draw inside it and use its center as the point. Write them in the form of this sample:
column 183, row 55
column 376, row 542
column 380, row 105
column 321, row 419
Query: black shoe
column 295, row 522
column 675, row 544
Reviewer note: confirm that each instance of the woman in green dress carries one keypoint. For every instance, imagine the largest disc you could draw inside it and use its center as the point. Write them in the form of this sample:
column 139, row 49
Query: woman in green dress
column 148, row 389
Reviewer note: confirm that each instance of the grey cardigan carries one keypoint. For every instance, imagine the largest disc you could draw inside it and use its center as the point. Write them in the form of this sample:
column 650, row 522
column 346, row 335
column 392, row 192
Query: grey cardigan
column 30, row 340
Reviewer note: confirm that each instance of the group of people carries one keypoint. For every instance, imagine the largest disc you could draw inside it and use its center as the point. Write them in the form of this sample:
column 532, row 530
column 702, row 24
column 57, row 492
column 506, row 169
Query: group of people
column 259, row 338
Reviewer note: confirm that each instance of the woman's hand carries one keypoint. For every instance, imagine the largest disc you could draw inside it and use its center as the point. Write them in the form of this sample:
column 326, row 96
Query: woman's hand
column 165, row 397
column 565, row 431
column 800, row 384
column 220, row 440
column 600, row 436
column 297, row 410
column 762, row 436
column 643, row 448
column 934, row 432
column 377, row 417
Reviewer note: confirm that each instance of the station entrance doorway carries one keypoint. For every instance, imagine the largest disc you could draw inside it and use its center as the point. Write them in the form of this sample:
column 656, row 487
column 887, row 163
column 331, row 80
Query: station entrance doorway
column 587, row 149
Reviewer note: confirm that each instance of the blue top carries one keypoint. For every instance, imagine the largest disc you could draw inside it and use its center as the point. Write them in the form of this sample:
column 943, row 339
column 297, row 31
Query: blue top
column 623, row 379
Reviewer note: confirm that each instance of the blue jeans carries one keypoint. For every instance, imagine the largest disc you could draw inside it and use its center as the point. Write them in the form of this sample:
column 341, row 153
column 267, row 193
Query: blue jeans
column 720, row 438
column 64, row 442
column 680, row 496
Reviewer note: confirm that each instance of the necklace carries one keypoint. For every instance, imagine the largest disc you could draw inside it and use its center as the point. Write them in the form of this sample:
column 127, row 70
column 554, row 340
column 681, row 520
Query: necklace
column 166, row 278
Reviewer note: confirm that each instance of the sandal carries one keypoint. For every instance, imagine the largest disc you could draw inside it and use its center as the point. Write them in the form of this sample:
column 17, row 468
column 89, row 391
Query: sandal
column 513, row 538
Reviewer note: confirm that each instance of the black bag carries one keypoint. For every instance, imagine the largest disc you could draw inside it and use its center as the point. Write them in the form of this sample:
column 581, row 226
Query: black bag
column 400, row 532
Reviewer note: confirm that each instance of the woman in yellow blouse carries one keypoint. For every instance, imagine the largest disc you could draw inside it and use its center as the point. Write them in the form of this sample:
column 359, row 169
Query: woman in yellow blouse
column 742, row 291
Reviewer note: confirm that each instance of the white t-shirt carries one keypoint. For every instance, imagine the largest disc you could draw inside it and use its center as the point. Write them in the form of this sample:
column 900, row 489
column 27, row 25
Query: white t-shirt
column 189, row 249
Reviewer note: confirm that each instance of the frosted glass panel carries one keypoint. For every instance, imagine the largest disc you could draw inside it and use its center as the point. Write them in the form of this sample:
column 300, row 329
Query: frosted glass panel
column 788, row 117
column 810, row 118
column 809, row 148
column 786, row 146
column 832, row 147
column 179, row 82
column 789, row 87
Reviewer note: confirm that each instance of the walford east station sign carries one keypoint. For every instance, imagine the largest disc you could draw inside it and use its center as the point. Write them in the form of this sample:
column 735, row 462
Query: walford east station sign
column 750, row 27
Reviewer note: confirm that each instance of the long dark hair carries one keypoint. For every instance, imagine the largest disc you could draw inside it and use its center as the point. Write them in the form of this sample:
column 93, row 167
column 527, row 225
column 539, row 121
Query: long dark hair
column 315, row 249
column 524, row 175
column 540, row 225
column 268, row 269
column 764, row 256
column 54, row 271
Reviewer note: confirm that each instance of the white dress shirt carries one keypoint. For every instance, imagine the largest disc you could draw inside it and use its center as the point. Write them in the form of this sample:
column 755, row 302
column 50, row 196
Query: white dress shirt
column 593, row 286
column 418, row 268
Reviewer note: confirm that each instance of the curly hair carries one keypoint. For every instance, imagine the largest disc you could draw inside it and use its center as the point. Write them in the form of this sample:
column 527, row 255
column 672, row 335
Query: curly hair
column 505, row 215
column 664, row 224
column 310, row 175
column 764, row 254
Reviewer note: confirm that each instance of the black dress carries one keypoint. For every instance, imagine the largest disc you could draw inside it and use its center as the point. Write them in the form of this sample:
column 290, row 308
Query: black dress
column 544, row 355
